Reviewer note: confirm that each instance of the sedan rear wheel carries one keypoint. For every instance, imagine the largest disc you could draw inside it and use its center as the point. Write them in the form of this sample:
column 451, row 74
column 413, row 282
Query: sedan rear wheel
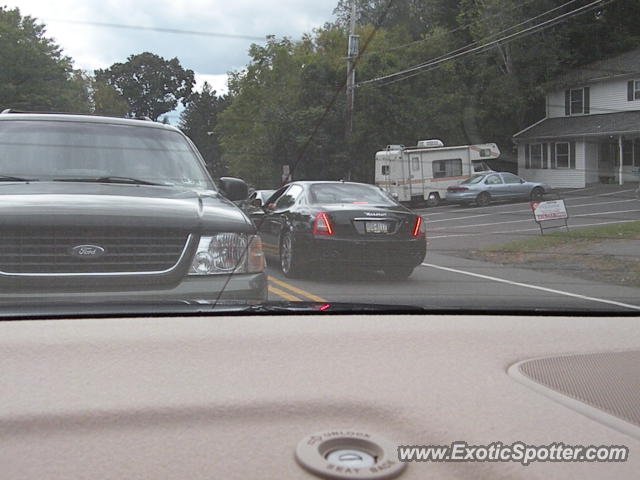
column 398, row 273
column 289, row 258
column 483, row 199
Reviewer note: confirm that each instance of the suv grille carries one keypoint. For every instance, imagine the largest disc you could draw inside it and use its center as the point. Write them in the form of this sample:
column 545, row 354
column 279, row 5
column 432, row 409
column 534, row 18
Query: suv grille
column 125, row 250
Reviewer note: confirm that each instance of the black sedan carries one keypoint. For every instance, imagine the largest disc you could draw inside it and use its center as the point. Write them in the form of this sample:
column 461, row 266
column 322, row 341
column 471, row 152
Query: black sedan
column 307, row 224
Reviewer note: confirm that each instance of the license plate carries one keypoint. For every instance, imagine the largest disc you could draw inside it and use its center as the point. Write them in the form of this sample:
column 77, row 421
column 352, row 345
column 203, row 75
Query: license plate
column 376, row 227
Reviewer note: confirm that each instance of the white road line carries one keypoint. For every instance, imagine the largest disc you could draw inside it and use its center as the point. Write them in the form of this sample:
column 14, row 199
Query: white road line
column 482, row 210
column 577, row 190
column 603, row 203
column 524, row 230
column 426, row 211
column 615, row 193
column 528, row 220
column 460, row 218
column 525, row 211
column 534, row 287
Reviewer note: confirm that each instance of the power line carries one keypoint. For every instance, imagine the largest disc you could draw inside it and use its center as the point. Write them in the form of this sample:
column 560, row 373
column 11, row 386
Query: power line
column 157, row 29
column 457, row 29
column 462, row 51
column 478, row 49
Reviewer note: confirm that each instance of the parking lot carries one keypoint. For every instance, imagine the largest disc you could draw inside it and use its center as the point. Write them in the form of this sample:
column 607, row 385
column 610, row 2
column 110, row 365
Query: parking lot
column 449, row 279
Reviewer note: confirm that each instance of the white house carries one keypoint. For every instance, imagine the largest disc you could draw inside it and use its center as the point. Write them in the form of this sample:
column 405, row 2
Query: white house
column 592, row 122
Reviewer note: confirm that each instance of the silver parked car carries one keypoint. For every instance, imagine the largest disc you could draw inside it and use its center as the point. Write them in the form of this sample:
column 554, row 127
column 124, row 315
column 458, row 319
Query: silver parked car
column 484, row 188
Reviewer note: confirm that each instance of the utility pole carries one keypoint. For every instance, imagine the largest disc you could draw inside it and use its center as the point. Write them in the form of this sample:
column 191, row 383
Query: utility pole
column 352, row 53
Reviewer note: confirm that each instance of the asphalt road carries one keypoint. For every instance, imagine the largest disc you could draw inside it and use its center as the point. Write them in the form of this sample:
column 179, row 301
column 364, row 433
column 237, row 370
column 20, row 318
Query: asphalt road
column 445, row 280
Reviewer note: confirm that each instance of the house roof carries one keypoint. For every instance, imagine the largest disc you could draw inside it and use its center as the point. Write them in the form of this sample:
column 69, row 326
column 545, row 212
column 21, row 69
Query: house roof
column 623, row 65
column 621, row 123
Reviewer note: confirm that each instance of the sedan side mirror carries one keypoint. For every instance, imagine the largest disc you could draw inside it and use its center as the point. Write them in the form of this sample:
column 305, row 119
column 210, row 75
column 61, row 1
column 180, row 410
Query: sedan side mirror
column 256, row 202
column 523, row 181
column 234, row 188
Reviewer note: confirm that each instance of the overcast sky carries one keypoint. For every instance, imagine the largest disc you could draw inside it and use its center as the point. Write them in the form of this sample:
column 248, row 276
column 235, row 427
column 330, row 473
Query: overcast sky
column 210, row 58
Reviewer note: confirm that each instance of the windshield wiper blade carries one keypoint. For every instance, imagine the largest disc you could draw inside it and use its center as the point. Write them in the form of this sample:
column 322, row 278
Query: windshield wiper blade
column 11, row 178
column 110, row 179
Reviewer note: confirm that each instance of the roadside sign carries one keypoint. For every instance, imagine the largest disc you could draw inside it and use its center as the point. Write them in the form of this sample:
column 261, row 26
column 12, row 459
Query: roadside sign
column 286, row 174
column 550, row 210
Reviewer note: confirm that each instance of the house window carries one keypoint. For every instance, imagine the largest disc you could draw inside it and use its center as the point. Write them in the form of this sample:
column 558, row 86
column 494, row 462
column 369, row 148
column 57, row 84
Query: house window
column 633, row 90
column 447, row 168
column 577, row 99
column 562, row 155
column 536, row 155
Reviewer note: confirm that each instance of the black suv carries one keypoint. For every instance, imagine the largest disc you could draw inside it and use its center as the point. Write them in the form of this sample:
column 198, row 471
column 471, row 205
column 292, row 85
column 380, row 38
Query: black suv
column 97, row 209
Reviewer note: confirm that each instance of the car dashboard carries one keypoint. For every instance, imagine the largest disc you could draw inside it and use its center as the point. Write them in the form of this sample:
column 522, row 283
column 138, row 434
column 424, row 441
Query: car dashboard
column 226, row 397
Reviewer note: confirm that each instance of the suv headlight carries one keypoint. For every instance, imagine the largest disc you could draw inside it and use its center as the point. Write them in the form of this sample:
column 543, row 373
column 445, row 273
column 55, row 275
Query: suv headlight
column 226, row 253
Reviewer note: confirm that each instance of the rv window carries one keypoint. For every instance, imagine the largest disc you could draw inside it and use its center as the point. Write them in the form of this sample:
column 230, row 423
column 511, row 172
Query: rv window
column 479, row 166
column 415, row 163
column 385, row 169
column 447, row 168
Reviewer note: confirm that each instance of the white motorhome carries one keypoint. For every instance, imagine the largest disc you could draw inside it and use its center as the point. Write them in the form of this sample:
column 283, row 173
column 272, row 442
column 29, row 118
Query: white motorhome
column 423, row 173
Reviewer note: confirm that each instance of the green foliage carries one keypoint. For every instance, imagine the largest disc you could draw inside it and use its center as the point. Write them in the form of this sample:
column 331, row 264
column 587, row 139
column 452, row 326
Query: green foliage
column 198, row 122
column 107, row 100
column 285, row 95
column 150, row 84
column 34, row 74
column 277, row 102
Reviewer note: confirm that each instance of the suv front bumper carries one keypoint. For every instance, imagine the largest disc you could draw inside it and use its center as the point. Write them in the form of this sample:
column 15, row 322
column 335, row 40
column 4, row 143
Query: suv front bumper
column 241, row 288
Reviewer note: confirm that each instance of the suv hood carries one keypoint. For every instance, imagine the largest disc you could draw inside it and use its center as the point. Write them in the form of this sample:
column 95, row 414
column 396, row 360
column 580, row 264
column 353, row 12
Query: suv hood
column 96, row 204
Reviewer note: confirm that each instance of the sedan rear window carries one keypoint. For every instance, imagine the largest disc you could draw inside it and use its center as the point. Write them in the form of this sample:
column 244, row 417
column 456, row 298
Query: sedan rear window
column 473, row 180
column 348, row 193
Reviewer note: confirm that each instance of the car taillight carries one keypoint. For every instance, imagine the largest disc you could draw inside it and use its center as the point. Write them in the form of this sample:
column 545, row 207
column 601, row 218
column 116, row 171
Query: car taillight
column 322, row 225
column 419, row 228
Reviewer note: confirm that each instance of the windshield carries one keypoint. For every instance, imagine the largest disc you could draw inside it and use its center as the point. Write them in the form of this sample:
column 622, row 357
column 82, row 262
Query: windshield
column 334, row 193
column 457, row 155
column 49, row 150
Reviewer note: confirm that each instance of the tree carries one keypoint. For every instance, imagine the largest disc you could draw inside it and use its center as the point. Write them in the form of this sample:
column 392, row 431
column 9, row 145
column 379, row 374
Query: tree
column 198, row 122
column 107, row 100
column 34, row 74
column 286, row 93
column 150, row 84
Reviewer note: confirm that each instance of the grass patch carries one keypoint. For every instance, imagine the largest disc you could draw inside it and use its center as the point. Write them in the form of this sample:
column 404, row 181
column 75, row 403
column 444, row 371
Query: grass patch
column 587, row 253
column 622, row 231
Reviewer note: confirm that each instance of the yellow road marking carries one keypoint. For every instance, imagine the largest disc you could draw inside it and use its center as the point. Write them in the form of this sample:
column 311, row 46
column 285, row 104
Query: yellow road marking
column 297, row 290
column 283, row 294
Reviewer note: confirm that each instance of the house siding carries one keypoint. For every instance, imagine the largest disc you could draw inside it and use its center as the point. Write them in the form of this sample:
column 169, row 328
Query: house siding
column 605, row 97
column 555, row 177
